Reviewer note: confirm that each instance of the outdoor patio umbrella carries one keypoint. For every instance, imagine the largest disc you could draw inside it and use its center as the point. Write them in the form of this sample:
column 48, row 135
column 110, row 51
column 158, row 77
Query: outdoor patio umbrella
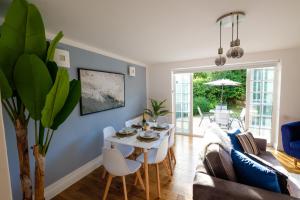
column 223, row 82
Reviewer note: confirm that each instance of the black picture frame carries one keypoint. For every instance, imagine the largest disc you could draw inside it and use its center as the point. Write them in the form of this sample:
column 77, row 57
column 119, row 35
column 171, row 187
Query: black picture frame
column 83, row 111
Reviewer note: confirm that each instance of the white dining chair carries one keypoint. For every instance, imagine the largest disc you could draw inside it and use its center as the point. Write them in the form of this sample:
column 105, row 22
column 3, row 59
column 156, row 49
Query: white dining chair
column 125, row 150
column 116, row 165
column 157, row 156
column 133, row 121
column 171, row 154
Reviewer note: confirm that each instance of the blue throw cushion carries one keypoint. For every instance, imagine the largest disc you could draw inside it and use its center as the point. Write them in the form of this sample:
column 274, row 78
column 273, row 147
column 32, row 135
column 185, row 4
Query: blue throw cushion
column 252, row 173
column 234, row 140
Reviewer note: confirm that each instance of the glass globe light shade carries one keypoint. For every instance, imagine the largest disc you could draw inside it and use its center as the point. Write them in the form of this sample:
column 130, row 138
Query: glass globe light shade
column 240, row 52
column 220, row 60
column 228, row 53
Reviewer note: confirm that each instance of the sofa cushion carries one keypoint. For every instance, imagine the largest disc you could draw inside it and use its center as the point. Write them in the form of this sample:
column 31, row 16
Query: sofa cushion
column 295, row 145
column 248, row 143
column 234, row 140
column 252, row 173
column 282, row 178
column 218, row 163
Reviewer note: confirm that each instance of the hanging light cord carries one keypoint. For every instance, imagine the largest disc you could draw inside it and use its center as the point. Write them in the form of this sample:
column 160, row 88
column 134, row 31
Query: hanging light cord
column 237, row 27
column 232, row 29
column 220, row 33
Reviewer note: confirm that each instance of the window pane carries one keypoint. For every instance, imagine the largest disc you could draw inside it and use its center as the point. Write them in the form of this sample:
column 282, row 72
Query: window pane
column 267, row 110
column 268, row 87
column 268, row 98
column 255, row 110
column 269, row 74
column 256, row 97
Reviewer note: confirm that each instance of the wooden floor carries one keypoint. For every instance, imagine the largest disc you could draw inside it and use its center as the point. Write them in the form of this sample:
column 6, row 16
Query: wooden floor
column 187, row 151
column 286, row 161
column 179, row 188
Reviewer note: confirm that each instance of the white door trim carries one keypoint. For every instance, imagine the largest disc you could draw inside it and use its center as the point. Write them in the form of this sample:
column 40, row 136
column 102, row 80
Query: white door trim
column 5, row 184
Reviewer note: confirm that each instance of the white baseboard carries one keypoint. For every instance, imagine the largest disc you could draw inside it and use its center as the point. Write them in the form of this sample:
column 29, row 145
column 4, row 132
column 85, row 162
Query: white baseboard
column 66, row 181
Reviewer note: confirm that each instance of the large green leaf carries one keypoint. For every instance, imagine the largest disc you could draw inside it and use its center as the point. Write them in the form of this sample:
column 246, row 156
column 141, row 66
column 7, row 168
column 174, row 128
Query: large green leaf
column 52, row 47
column 22, row 32
column 35, row 41
column 5, row 88
column 56, row 97
column 72, row 100
column 33, row 83
column 52, row 68
column 12, row 39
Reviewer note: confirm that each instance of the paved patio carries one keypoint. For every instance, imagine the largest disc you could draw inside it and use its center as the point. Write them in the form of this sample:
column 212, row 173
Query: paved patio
column 200, row 130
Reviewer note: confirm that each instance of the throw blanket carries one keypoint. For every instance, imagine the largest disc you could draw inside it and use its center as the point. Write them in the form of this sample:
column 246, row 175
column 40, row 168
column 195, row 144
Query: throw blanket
column 215, row 135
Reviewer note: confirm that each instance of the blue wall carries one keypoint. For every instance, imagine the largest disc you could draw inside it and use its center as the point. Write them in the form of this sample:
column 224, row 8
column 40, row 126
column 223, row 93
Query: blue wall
column 80, row 138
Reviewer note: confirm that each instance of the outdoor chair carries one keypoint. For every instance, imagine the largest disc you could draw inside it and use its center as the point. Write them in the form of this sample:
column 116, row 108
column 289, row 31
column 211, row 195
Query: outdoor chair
column 221, row 107
column 222, row 118
column 202, row 115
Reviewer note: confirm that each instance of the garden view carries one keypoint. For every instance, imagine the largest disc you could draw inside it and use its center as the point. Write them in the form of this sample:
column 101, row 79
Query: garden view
column 207, row 96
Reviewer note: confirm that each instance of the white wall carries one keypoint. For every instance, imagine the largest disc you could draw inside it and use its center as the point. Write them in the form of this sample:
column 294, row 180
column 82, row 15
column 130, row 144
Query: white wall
column 289, row 100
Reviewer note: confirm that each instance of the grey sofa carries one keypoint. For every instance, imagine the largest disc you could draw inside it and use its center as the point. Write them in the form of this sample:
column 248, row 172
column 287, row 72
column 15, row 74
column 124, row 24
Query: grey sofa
column 207, row 186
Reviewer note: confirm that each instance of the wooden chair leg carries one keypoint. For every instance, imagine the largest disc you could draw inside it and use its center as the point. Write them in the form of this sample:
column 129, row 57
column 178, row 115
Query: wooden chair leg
column 173, row 155
column 170, row 162
column 135, row 180
column 158, row 180
column 124, row 187
column 139, row 177
column 107, row 187
column 104, row 174
column 167, row 169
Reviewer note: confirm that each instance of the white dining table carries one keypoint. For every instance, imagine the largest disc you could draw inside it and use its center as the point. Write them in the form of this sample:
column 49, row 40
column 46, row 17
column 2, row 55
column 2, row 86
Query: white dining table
column 134, row 142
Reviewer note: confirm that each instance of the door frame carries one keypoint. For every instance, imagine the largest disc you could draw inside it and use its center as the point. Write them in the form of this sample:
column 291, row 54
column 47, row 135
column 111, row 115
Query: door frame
column 275, row 104
column 5, row 183
column 174, row 103
column 250, row 65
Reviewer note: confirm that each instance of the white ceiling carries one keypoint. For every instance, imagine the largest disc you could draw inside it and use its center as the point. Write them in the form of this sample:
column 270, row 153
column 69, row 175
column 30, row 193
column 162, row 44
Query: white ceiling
column 155, row 31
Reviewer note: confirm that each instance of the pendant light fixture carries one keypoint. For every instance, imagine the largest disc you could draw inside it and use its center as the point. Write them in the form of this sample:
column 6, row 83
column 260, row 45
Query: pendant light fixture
column 220, row 60
column 235, row 51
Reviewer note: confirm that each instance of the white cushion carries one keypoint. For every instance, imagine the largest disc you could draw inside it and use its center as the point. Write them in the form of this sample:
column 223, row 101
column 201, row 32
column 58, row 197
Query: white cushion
column 293, row 187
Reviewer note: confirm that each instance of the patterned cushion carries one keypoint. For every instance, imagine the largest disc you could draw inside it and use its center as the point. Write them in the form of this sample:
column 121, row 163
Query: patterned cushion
column 248, row 143
column 218, row 163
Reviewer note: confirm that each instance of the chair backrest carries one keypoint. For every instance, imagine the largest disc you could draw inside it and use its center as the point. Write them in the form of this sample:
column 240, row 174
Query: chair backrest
column 114, row 162
column 222, row 117
column 243, row 114
column 135, row 120
column 108, row 132
column 172, row 137
column 162, row 120
column 199, row 111
column 162, row 150
column 221, row 107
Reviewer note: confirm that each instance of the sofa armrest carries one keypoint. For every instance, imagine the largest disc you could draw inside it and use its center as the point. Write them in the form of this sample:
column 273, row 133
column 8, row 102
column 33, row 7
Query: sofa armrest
column 207, row 187
column 261, row 143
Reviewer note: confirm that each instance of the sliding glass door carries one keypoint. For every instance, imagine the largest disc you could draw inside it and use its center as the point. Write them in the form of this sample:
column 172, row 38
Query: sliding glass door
column 260, row 104
column 183, row 102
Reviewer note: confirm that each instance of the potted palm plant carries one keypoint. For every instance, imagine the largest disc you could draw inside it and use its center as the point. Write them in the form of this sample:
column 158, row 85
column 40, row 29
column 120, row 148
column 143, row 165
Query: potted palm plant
column 33, row 88
column 158, row 109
